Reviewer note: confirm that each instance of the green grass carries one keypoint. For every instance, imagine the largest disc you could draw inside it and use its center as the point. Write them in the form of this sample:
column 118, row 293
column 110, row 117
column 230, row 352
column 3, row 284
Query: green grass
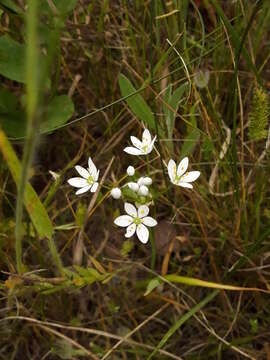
column 93, row 74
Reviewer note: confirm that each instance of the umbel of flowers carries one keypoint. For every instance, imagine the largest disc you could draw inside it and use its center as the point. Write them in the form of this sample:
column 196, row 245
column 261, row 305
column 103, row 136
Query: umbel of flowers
column 137, row 219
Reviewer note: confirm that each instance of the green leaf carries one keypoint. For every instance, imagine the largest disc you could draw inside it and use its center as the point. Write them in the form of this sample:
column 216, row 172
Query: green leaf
column 63, row 7
column 8, row 101
column 11, row 6
column 172, row 101
column 59, row 111
column 152, row 285
column 12, row 59
column 193, row 135
column 34, row 207
column 14, row 124
column 136, row 102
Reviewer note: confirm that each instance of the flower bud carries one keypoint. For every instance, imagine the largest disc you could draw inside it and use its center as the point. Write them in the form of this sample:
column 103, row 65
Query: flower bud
column 140, row 181
column 116, row 193
column 133, row 186
column 130, row 171
column 143, row 190
column 147, row 181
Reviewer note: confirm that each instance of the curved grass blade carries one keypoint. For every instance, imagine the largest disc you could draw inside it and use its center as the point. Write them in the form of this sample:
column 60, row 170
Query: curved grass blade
column 182, row 320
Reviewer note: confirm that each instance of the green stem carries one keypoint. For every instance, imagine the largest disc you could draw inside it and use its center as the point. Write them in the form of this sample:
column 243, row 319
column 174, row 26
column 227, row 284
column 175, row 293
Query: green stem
column 32, row 124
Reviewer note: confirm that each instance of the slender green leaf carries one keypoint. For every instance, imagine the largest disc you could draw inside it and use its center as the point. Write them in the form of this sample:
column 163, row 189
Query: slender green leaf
column 35, row 209
column 182, row 320
column 136, row 102
column 174, row 104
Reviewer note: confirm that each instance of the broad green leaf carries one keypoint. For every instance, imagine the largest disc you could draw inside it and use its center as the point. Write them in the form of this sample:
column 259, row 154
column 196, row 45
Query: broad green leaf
column 136, row 102
column 8, row 101
column 34, row 207
column 14, row 124
column 192, row 137
column 12, row 59
column 62, row 6
column 59, row 111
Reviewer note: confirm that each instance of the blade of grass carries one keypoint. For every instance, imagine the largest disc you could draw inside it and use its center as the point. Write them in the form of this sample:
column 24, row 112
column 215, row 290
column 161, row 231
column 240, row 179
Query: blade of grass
column 182, row 320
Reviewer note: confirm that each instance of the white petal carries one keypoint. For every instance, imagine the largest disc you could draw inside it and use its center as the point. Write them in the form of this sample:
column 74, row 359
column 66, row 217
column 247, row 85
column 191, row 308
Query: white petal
column 116, row 193
column 136, row 142
column 83, row 190
column 146, row 137
column 123, row 220
column 153, row 142
column 182, row 167
column 143, row 190
column 77, row 182
column 130, row 210
column 149, row 221
column 130, row 171
column 97, row 175
column 92, row 168
column 82, row 171
column 130, row 230
column 172, row 170
column 185, row 185
column 133, row 186
column 133, row 151
column 190, row 176
column 140, row 181
column 94, row 187
column 147, row 181
column 143, row 211
column 142, row 233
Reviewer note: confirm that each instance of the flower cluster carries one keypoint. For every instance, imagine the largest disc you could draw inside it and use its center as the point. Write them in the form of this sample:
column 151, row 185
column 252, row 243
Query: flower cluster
column 136, row 190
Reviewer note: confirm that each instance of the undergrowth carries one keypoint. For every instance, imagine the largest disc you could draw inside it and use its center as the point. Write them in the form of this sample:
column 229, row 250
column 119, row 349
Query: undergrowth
column 78, row 78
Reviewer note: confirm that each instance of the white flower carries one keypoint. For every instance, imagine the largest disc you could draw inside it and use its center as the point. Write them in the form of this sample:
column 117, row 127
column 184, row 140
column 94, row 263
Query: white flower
column 136, row 221
column 143, row 147
column 133, row 186
column 116, row 193
column 88, row 179
column 143, row 190
column 144, row 181
column 130, row 171
column 179, row 176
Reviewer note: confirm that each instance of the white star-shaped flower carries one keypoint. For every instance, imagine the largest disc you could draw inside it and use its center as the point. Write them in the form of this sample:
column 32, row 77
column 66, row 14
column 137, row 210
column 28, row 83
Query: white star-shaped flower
column 136, row 221
column 143, row 147
column 88, row 179
column 179, row 175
